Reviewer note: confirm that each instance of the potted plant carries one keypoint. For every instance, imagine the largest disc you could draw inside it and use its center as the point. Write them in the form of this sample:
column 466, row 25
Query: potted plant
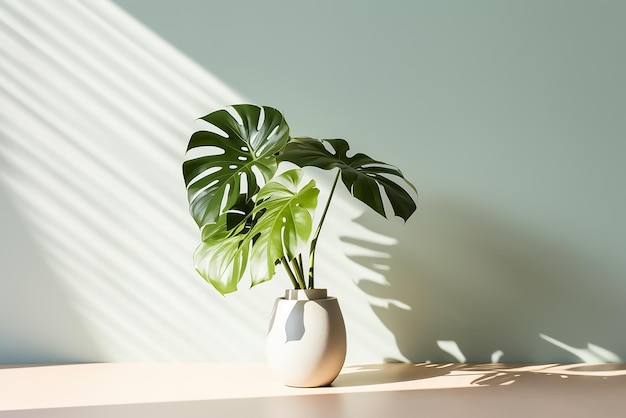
column 254, row 217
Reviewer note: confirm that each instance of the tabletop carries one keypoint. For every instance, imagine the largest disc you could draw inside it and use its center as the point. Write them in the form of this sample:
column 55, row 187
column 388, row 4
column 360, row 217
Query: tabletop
column 375, row 390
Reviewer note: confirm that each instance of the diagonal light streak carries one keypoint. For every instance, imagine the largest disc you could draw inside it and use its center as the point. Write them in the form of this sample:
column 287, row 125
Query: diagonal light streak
column 97, row 112
column 93, row 133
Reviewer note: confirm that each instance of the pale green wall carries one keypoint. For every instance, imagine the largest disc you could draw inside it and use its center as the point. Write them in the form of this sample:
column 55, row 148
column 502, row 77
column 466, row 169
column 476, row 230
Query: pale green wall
column 510, row 118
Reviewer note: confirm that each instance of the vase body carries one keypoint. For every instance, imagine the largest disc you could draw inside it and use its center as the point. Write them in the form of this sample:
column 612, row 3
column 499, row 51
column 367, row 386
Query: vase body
column 306, row 340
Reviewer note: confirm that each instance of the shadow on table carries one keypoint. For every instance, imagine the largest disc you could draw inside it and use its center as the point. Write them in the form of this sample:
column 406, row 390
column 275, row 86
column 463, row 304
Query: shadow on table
column 552, row 376
column 541, row 398
column 25, row 366
column 376, row 374
column 535, row 375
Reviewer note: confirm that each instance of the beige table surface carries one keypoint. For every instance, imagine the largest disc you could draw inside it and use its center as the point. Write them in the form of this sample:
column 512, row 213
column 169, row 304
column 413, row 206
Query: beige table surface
column 250, row 390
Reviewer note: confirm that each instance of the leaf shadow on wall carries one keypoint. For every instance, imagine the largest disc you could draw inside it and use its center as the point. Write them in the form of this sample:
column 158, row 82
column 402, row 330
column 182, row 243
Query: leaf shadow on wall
column 38, row 323
column 463, row 285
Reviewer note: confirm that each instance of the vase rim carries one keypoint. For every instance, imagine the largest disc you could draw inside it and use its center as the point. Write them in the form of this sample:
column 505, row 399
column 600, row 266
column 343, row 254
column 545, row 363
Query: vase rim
column 306, row 294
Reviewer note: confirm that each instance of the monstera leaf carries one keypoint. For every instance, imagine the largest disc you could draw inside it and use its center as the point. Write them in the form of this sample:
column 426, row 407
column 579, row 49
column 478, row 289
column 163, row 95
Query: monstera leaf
column 231, row 157
column 222, row 256
column 282, row 224
column 285, row 225
column 253, row 218
column 363, row 176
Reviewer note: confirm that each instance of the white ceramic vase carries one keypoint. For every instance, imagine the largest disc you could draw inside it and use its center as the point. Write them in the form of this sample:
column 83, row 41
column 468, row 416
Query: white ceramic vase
column 306, row 341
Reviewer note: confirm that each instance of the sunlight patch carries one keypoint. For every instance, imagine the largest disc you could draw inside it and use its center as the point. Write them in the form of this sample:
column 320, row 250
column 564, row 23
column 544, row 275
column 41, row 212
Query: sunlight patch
column 452, row 348
column 591, row 354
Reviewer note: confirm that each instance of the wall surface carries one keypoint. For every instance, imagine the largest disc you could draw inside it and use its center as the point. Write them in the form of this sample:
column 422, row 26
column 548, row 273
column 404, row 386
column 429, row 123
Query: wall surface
column 508, row 117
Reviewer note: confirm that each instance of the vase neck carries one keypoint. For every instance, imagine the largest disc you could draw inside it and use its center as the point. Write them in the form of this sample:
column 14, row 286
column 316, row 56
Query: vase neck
column 305, row 294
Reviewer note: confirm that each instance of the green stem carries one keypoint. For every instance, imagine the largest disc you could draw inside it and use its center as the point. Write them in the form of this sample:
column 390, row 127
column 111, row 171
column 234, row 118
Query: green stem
column 292, row 277
column 301, row 264
column 298, row 273
column 317, row 233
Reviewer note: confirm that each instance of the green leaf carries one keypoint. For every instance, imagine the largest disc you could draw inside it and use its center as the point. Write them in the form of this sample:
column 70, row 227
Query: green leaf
column 282, row 224
column 363, row 176
column 229, row 161
column 221, row 258
column 285, row 225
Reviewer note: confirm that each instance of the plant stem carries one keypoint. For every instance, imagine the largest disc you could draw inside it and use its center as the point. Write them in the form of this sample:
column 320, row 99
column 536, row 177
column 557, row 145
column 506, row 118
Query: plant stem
column 317, row 233
column 299, row 273
column 301, row 264
column 292, row 277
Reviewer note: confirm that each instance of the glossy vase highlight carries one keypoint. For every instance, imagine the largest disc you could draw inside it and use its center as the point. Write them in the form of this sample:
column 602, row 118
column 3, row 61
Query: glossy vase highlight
column 306, row 341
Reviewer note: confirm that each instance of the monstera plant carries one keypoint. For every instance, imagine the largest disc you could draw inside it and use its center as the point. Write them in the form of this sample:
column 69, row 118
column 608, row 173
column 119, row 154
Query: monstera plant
column 254, row 217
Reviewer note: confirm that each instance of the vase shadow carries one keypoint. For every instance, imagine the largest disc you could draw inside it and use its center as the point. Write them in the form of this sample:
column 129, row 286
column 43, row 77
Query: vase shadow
column 376, row 374
column 463, row 285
